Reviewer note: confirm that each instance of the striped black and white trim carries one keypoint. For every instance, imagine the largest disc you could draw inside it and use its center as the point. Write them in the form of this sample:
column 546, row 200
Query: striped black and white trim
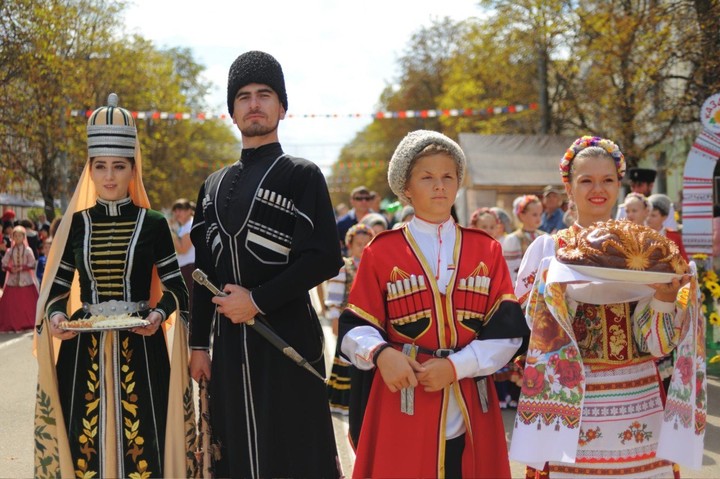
column 111, row 140
column 166, row 261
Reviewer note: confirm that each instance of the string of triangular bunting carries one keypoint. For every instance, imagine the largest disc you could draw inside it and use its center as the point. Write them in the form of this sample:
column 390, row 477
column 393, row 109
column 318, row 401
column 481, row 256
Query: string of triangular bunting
column 378, row 115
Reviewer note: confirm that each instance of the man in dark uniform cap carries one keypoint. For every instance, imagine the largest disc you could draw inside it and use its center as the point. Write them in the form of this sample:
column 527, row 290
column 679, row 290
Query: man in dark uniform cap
column 642, row 180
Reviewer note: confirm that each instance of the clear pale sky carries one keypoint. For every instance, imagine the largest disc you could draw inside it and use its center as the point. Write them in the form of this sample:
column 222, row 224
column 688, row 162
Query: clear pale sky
column 337, row 56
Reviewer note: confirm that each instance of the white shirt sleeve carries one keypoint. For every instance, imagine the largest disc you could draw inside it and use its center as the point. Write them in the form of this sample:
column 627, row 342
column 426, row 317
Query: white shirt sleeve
column 484, row 357
column 359, row 345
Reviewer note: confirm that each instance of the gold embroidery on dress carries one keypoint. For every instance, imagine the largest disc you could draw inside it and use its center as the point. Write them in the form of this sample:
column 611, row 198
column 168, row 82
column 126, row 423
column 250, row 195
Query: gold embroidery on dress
column 107, row 261
column 90, row 423
column 604, row 334
column 131, row 425
column 617, row 342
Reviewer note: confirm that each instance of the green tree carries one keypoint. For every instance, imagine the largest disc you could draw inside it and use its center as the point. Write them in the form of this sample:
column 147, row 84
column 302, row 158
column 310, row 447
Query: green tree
column 699, row 31
column 625, row 69
column 52, row 41
column 71, row 54
column 528, row 33
column 177, row 153
column 490, row 68
column 622, row 74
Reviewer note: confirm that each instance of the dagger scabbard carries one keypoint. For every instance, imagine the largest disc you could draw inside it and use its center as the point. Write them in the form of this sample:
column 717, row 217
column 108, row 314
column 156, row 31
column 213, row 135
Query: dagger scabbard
column 262, row 329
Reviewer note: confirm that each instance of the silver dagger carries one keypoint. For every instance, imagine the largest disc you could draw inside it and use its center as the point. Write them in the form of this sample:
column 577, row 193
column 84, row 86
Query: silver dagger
column 262, row 329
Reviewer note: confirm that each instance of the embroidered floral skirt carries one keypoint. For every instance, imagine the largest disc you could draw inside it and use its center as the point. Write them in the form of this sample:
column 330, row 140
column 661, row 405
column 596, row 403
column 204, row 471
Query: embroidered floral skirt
column 114, row 392
column 620, row 426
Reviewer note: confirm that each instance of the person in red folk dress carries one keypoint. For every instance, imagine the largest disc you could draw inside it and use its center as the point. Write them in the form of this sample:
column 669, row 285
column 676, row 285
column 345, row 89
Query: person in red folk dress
column 432, row 311
column 20, row 292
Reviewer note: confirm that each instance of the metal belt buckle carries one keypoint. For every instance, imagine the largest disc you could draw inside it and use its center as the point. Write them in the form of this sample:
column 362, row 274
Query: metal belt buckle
column 443, row 353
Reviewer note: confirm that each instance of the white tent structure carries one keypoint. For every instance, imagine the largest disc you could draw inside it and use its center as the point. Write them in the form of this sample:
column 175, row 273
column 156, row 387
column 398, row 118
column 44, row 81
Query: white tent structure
column 16, row 200
column 502, row 167
column 20, row 204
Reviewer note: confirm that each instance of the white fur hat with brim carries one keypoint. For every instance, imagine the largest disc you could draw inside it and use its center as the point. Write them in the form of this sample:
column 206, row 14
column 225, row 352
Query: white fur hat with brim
column 410, row 146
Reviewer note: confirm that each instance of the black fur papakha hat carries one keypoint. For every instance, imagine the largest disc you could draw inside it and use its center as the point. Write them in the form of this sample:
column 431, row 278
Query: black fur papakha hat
column 642, row 175
column 255, row 67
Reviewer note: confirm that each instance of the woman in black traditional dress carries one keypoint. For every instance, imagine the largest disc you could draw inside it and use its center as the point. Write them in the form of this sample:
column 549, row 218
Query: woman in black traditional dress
column 116, row 404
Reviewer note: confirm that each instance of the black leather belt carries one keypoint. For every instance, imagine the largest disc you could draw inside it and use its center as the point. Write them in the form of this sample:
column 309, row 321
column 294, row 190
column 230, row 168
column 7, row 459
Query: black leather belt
column 438, row 353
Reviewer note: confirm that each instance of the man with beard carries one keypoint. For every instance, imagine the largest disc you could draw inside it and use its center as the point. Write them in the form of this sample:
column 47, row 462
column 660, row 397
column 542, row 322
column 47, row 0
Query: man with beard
column 265, row 233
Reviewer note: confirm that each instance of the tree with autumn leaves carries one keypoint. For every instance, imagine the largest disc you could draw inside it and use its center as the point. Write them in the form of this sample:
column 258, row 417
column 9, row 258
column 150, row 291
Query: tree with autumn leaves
column 632, row 70
column 425, row 66
column 636, row 71
column 63, row 55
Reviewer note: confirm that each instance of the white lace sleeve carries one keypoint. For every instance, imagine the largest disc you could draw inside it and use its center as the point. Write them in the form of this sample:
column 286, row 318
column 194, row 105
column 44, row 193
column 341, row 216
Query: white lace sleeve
column 542, row 247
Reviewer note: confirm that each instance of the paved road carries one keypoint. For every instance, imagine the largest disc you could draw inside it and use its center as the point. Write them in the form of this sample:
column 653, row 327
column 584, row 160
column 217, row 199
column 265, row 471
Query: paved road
column 18, row 375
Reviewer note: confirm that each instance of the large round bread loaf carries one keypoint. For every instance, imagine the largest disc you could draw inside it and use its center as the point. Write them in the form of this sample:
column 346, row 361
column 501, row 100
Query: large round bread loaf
column 623, row 245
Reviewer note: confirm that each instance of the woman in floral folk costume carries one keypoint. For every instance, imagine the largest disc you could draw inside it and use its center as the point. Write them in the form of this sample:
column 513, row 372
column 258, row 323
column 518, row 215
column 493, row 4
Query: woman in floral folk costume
column 113, row 403
column 432, row 310
column 591, row 402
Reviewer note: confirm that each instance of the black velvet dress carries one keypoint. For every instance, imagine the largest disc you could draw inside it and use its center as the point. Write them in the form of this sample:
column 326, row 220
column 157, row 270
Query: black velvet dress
column 114, row 384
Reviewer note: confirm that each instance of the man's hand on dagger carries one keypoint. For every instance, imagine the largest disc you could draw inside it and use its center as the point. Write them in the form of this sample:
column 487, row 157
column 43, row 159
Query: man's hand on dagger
column 237, row 306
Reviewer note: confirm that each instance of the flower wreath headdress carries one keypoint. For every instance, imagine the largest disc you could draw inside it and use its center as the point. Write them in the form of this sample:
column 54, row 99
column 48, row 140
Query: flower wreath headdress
column 484, row 211
column 522, row 202
column 585, row 142
column 359, row 228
